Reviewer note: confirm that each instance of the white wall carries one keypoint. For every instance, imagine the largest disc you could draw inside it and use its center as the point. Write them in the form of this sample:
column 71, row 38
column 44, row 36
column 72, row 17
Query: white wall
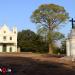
column 8, row 34
column 68, row 48
column 14, row 49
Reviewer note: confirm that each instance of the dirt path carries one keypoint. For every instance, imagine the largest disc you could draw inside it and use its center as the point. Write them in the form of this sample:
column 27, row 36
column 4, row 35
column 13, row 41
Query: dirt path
column 37, row 64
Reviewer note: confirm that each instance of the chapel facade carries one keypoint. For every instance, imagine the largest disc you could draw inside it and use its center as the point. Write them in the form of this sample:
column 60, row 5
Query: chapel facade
column 8, row 39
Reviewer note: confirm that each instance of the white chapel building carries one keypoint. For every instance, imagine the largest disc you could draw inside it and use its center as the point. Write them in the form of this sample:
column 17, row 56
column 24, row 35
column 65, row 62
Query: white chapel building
column 8, row 39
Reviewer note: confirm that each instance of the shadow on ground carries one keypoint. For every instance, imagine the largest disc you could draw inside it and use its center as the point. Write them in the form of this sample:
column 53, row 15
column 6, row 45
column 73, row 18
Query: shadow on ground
column 29, row 66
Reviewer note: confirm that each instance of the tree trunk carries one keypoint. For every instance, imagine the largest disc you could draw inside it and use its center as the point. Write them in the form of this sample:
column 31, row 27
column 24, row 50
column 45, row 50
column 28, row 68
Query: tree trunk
column 50, row 39
column 50, row 49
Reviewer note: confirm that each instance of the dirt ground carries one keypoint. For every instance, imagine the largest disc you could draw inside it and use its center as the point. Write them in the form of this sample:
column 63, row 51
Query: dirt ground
column 37, row 64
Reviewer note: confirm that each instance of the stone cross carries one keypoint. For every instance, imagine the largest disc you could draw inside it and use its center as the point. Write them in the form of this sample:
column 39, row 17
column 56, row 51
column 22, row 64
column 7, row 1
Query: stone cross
column 72, row 20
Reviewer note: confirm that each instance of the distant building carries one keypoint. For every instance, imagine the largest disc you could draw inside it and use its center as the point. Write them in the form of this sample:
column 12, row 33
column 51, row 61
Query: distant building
column 8, row 39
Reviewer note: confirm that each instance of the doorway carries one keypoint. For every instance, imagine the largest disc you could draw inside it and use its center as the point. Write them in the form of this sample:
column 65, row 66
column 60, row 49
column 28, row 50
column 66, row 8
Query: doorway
column 4, row 47
column 10, row 49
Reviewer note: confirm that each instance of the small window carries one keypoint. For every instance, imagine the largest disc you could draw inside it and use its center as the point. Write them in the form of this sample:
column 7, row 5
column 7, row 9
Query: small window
column 15, row 32
column 10, row 38
column 4, row 31
column 4, row 37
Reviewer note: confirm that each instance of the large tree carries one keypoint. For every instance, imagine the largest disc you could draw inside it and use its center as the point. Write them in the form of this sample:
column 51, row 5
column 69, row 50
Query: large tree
column 49, row 17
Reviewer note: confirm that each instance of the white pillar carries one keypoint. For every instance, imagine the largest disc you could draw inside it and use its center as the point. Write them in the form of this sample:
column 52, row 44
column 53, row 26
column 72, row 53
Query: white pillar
column 73, row 47
column 8, row 48
column 68, row 51
column 1, row 48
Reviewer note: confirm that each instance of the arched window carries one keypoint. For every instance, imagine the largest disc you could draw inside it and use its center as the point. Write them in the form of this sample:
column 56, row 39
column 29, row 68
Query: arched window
column 10, row 38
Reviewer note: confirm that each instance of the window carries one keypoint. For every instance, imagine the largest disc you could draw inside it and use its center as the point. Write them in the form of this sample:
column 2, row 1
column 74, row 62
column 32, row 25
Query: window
column 4, row 31
column 10, row 38
column 4, row 37
column 15, row 32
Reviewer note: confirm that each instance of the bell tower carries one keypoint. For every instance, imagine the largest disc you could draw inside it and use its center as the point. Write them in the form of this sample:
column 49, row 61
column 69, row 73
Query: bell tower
column 14, row 30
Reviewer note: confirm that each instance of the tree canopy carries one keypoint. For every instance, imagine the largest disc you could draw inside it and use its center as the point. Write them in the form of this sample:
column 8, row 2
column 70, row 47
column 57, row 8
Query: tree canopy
column 29, row 41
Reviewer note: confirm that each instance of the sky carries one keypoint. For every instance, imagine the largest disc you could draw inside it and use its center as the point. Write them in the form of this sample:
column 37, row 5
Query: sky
column 17, row 13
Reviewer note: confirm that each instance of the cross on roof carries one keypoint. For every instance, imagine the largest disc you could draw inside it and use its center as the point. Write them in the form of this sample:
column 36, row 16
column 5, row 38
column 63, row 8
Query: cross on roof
column 72, row 20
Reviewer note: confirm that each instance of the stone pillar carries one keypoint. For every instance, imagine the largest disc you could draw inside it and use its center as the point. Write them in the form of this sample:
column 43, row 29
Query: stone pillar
column 73, row 46
column 68, row 52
